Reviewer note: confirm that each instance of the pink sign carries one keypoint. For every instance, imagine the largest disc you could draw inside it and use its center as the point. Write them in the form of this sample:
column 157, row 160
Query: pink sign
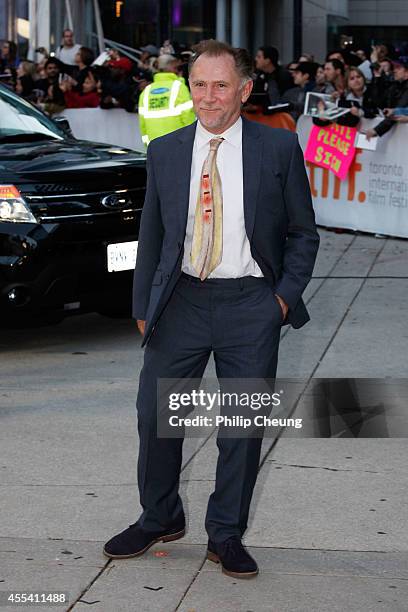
column 332, row 147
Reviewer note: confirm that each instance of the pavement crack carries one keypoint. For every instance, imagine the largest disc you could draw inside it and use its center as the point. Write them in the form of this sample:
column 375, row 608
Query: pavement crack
column 196, row 575
column 321, row 467
column 86, row 589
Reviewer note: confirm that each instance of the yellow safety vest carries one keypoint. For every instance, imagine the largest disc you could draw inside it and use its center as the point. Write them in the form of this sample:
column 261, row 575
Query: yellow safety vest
column 164, row 106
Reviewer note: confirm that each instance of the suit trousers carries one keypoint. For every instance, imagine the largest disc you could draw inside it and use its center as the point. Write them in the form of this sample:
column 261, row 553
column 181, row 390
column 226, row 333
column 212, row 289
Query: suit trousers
column 239, row 321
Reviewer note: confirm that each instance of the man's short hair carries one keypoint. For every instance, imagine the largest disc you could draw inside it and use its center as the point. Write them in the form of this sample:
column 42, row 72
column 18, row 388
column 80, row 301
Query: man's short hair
column 309, row 68
column 337, row 65
column 164, row 61
column 67, row 30
column 271, row 53
column 215, row 48
column 53, row 60
column 337, row 52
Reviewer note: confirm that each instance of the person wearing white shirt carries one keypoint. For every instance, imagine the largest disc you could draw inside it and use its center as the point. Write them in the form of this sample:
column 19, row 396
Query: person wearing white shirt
column 67, row 51
column 237, row 260
column 227, row 245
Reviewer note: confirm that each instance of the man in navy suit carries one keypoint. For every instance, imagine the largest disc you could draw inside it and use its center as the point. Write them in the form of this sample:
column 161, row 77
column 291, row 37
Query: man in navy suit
column 227, row 245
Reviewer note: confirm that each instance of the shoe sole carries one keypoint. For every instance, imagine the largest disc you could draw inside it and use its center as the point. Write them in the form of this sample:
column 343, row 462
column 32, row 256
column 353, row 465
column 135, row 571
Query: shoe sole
column 215, row 559
column 167, row 538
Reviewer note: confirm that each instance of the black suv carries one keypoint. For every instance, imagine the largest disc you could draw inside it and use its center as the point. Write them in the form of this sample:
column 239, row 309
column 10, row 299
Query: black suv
column 69, row 217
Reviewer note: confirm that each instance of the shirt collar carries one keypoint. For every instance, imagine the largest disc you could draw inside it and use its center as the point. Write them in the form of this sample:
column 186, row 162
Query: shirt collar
column 232, row 135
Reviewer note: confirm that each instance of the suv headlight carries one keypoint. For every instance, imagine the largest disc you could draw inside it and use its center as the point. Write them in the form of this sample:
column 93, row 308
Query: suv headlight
column 13, row 207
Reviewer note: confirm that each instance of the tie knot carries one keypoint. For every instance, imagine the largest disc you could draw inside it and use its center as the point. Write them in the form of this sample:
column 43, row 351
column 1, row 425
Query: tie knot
column 215, row 143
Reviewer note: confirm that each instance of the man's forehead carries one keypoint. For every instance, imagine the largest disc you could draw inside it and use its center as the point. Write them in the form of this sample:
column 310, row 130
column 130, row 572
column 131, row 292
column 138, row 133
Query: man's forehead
column 214, row 68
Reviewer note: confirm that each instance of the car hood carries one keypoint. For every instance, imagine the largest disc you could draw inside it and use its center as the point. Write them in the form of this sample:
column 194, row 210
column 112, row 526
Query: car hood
column 33, row 161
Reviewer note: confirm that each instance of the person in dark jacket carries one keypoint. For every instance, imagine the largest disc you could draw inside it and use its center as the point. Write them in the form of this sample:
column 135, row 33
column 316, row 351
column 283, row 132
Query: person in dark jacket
column 25, row 82
column 272, row 78
column 304, row 78
column 334, row 72
column 116, row 89
column 360, row 97
column 8, row 56
column 52, row 71
column 83, row 61
column 396, row 96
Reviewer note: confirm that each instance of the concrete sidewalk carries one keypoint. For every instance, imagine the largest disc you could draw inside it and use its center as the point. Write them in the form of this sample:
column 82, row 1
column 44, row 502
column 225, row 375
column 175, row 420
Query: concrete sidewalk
column 328, row 523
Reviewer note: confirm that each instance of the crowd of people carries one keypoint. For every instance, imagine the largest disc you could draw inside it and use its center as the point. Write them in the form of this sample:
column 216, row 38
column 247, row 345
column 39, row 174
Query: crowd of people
column 72, row 77
column 374, row 85
column 368, row 84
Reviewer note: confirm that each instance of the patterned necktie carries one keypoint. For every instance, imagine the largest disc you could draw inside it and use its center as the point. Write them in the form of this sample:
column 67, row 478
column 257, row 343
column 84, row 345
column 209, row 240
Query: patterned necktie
column 206, row 250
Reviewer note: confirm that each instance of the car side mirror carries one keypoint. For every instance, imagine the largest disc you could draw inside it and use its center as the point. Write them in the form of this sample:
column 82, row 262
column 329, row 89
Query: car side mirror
column 63, row 124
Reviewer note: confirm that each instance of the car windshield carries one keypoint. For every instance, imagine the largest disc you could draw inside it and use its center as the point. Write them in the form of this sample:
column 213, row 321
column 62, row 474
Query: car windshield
column 20, row 120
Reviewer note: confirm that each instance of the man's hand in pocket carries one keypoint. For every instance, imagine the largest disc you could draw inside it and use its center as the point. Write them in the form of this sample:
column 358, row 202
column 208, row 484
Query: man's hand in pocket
column 283, row 306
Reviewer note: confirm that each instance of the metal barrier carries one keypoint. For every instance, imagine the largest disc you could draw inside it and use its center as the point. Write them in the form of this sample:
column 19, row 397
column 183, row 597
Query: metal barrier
column 113, row 126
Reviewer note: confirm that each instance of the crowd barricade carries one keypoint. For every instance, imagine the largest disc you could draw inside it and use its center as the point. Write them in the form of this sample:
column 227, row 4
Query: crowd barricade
column 374, row 195
column 112, row 126
column 275, row 120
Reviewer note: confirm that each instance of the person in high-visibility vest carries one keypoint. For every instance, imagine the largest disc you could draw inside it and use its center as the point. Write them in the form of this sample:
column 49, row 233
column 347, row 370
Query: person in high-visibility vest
column 165, row 105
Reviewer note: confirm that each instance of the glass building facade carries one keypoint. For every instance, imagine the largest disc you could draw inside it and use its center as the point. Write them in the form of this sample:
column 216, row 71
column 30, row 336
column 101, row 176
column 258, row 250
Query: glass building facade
column 291, row 25
column 139, row 22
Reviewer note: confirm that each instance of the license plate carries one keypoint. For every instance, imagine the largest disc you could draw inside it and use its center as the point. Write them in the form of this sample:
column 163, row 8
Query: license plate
column 122, row 256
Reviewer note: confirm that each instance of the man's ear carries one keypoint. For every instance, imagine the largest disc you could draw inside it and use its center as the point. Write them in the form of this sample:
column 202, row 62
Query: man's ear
column 246, row 91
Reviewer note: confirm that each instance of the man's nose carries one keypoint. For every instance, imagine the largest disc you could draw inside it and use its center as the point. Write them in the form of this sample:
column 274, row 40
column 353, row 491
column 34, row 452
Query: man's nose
column 209, row 93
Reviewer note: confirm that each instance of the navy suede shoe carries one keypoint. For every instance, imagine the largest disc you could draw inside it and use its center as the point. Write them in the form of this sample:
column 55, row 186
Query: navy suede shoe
column 234, row 558
column 135, row 540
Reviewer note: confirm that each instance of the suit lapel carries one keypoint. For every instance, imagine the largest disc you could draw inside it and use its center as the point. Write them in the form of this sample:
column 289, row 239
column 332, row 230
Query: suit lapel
column 251, row 163
column 183, row 159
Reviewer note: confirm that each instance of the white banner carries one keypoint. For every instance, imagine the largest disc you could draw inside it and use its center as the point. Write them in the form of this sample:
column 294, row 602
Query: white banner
column 374, row 197
column 112, row 126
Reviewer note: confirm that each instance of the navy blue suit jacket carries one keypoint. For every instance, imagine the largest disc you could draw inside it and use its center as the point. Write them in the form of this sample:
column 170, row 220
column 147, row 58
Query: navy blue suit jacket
column 279, row 218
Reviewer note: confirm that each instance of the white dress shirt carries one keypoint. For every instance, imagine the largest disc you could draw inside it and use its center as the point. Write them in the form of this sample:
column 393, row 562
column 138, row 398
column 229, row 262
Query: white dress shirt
column 237, row 260
column 67, row 54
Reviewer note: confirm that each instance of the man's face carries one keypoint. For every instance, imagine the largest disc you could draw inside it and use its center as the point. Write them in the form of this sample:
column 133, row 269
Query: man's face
column 217, row 92
column 400, row 73
column 52, row 71
column 260, row 62
column 330, row 73
column 68, row 38
column 320, row 76
column 299, row 78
